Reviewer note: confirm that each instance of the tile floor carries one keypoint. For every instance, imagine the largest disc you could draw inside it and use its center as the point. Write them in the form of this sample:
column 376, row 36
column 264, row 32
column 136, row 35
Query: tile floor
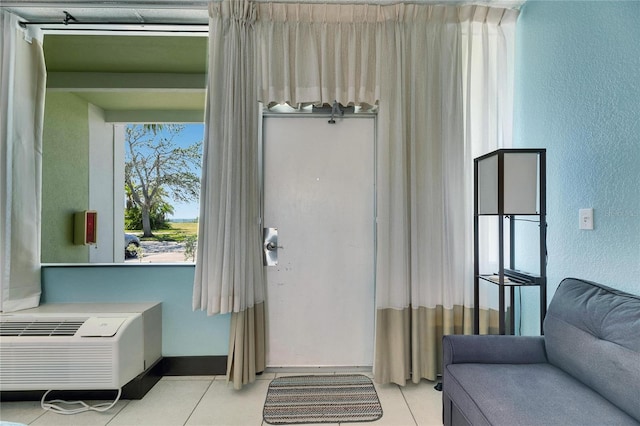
column 209, row 400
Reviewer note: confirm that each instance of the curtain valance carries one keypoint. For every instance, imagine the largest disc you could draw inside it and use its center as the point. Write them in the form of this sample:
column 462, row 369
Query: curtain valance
column 318, row 54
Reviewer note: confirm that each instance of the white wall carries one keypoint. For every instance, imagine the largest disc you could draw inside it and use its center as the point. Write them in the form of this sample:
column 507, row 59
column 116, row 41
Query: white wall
column 105, row 177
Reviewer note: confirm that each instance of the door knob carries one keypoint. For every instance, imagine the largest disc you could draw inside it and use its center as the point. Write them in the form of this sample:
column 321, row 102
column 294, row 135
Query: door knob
column 271, row 246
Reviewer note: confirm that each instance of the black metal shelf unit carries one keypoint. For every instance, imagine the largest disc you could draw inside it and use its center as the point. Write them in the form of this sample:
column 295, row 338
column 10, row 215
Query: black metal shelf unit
column 509, row 183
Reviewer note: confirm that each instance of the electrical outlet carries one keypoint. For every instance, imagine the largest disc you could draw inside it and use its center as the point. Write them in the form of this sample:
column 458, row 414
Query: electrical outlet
column 586, row 219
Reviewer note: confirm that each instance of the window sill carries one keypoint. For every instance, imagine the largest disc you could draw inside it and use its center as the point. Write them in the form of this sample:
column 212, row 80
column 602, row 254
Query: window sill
column 126, row 264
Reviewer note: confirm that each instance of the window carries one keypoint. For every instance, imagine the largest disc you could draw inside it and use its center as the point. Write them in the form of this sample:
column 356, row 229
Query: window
column 97, row 85
column 162, row 189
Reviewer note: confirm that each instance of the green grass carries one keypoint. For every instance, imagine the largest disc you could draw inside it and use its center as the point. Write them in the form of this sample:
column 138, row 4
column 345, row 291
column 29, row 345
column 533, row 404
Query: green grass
column 177, row 232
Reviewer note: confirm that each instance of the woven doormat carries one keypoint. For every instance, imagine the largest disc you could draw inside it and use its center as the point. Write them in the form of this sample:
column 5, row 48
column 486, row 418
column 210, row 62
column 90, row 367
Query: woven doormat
column 321, row 399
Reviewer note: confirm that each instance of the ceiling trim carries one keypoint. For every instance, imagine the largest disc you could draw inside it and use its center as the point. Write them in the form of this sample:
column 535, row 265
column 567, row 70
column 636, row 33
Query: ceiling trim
column 100, row 4
column 204, row 4
column 114, row 81
column 154, row 116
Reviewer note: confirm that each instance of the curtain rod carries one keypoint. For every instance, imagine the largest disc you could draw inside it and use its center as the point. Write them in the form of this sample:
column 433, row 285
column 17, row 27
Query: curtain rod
column 70, row 20
column 203, row 4
column 25, row 24
column 106, row 28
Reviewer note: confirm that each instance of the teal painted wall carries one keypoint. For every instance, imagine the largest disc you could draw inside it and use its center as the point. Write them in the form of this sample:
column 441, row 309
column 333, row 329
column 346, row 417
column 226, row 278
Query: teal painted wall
column 184, row 332
column 65, row 191
column 65, row 175
column 577, row 93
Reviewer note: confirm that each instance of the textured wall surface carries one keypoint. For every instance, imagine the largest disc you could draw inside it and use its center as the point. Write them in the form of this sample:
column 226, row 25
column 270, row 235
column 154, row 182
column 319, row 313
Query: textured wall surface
column 66, row 190
column 65, row 175
column 184, row 332
column 578, row 95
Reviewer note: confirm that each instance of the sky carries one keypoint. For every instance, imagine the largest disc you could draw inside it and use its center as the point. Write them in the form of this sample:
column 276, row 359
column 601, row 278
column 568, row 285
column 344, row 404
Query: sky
column 192, row 133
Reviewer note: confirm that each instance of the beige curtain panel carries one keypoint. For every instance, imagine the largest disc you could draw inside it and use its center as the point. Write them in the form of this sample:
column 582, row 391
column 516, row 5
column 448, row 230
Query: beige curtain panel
column 22, row 92
column 441, row 76
column 229, row 277
column 447, row 99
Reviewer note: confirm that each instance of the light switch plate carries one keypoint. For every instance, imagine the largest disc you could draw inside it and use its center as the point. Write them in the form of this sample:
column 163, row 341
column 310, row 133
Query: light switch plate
column 586, row 219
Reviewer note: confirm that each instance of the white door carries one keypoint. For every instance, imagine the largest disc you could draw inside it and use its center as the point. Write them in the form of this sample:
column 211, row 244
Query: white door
column 319, row 194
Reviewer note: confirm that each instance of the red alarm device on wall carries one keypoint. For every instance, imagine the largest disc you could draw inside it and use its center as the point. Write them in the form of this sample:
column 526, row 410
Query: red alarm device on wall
column 86, row 227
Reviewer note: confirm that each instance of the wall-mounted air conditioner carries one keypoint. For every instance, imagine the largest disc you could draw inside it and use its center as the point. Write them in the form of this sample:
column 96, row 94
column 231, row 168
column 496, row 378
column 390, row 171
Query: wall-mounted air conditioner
column 74, row 351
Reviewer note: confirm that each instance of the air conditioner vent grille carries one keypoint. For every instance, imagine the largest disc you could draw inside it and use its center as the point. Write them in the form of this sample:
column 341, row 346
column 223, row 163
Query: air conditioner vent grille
column 41, row 328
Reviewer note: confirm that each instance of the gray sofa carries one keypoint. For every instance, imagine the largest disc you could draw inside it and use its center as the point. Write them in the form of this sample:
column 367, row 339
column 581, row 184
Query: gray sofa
column 585, row 370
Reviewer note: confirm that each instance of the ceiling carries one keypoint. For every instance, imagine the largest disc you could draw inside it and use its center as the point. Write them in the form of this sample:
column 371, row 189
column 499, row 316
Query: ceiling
column 136, row 11
column 135, row 57
column 166, row 11
column 125, row 54
column 127, row 71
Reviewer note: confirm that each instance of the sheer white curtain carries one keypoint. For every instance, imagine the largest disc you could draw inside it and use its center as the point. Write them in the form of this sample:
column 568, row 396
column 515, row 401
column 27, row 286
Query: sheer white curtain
column 420, row 262
column 22, row 91
column 488, row 64
column 420, row 64
column 454, row 73
column 229, row 275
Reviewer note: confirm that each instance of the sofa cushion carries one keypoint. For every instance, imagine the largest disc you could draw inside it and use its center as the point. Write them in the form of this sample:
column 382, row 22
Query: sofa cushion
column 527, row 394
column 592, row 332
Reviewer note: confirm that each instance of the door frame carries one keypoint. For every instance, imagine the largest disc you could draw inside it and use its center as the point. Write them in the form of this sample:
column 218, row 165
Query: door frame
column 296, row 114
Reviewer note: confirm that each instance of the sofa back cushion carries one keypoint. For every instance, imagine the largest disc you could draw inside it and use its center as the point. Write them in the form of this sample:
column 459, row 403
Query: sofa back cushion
column 592, row 332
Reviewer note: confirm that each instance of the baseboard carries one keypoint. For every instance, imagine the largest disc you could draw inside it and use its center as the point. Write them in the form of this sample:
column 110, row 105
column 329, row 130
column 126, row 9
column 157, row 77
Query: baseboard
column 138, row 387
column 195, row 365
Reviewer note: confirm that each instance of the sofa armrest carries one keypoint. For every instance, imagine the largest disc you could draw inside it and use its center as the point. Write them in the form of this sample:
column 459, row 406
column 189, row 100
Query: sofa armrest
column 493, row 349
